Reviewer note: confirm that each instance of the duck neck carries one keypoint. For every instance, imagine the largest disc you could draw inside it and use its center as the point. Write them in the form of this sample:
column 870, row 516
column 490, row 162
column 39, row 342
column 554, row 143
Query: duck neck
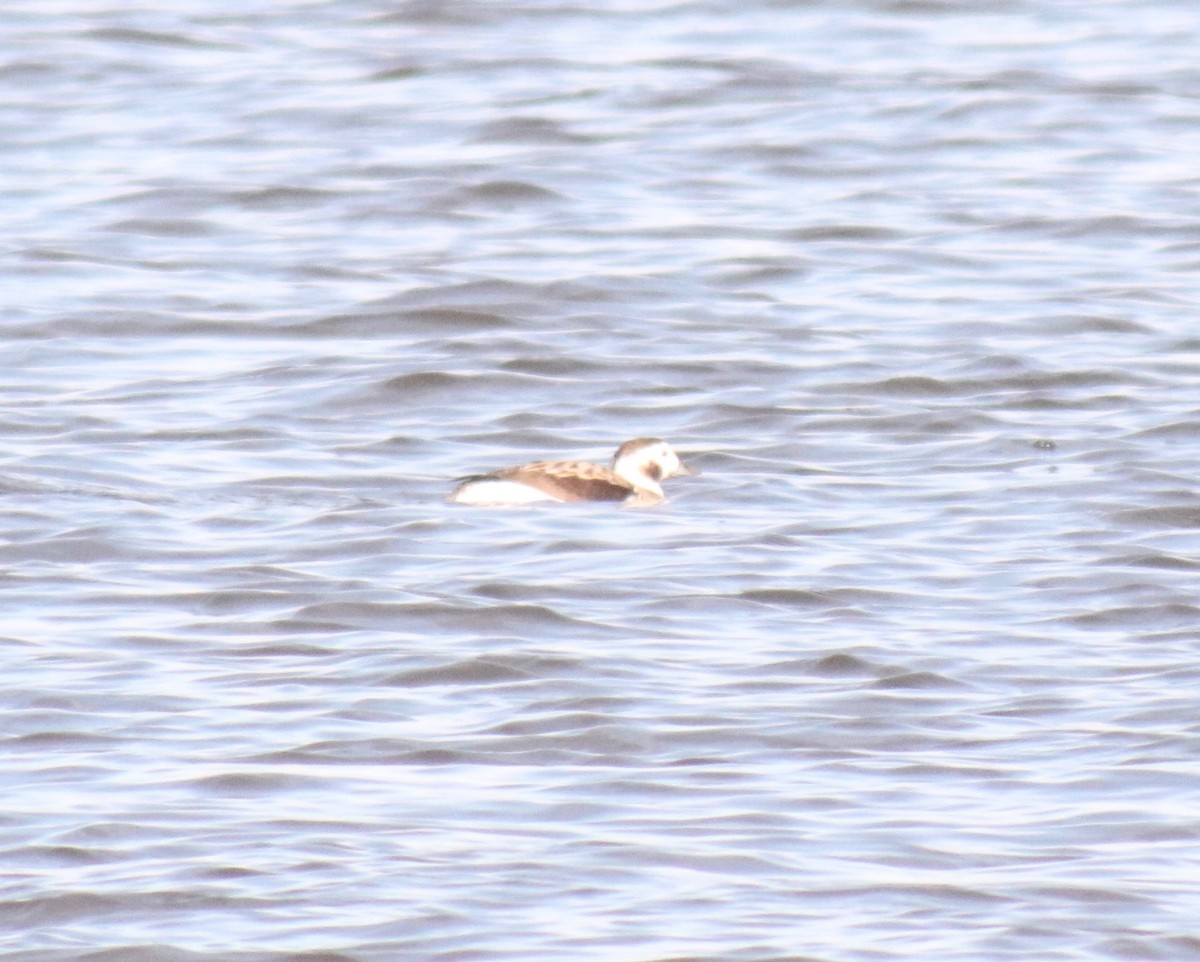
column 639, row 478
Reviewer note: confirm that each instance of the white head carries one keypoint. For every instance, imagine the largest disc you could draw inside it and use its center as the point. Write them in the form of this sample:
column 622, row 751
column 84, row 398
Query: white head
column 644, row 462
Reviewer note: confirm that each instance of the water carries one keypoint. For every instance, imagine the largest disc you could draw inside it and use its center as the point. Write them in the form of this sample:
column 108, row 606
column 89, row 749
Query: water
column 908, row 672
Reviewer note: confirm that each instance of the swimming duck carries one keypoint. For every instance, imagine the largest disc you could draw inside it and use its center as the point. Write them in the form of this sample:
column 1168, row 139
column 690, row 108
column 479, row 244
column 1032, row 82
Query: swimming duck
column 633, row 478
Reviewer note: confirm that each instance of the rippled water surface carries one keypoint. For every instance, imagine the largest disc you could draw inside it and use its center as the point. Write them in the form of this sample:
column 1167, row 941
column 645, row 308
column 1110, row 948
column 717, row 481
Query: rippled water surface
column 909, row 672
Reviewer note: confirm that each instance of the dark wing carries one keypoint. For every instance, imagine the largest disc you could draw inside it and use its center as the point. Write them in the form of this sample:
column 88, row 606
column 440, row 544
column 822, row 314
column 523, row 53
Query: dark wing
column 570, row 480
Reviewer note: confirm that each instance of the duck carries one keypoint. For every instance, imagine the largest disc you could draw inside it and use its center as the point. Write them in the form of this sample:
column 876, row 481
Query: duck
column 632, row 478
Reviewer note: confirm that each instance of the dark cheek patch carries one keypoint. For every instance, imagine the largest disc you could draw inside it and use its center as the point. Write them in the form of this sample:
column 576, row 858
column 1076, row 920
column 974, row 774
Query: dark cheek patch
column 654, row 472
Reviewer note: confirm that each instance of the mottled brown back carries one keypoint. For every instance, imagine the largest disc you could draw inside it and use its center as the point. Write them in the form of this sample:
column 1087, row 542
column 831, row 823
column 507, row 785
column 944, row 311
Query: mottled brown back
column 570, row 480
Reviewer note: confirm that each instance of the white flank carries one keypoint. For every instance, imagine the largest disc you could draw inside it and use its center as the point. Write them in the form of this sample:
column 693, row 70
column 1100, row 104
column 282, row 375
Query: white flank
column 497, row 491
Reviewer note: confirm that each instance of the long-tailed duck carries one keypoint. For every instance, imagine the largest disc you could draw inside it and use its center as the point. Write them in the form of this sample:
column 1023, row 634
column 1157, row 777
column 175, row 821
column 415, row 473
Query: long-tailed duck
column 637, row 468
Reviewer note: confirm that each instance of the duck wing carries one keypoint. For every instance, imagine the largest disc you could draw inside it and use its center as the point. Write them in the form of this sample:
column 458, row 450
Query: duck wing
column 570, row 480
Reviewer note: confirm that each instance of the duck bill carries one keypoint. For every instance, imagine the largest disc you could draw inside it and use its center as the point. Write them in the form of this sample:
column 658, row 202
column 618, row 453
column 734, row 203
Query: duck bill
column 684, row 471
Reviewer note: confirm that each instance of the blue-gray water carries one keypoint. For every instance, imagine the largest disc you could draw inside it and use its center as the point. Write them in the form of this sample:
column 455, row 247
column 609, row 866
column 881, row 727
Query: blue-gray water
column 909, row 672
